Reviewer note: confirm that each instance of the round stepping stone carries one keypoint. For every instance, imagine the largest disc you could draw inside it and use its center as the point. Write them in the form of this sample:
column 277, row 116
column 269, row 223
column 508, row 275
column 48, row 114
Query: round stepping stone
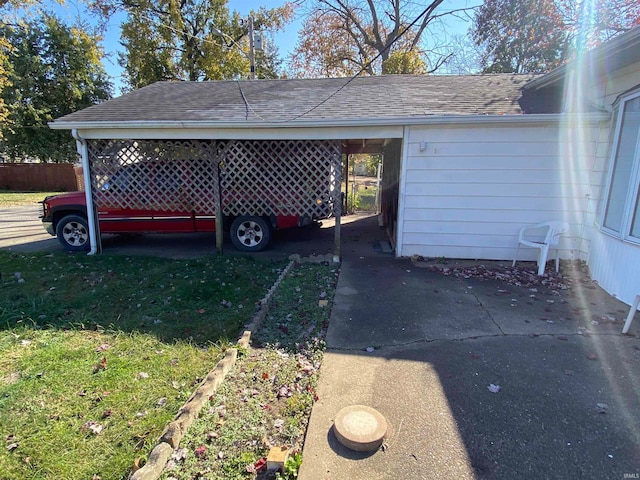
column 360, row 428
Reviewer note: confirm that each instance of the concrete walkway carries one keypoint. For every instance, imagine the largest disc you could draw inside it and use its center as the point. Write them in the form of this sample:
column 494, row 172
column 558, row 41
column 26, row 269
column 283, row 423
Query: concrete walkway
column 569, row 400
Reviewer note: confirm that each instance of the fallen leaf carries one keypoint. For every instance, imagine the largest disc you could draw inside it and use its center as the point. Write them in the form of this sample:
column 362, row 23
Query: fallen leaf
column 283, row 392
column 93, row 427
column 179, row 455
column 201, row 451
column 260, row 465
column 137, row 464
column 100, row 366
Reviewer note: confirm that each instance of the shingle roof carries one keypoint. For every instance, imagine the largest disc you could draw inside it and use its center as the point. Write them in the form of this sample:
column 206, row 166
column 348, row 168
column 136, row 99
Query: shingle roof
column 291, row 100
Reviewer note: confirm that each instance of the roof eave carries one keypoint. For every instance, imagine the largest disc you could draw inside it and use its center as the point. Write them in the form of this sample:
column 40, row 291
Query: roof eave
column 414, row 120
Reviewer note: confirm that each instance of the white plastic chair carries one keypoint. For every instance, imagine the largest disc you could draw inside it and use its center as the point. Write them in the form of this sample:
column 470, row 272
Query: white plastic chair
column 553, row 232
column 632, row 312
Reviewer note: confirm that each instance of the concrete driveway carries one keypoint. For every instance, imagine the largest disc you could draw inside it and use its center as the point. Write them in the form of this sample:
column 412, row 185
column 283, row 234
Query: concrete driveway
column 568, row 404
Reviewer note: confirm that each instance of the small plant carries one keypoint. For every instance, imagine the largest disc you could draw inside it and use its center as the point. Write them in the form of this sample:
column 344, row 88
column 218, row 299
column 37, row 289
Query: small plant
column 353, row 201
column 291, row 468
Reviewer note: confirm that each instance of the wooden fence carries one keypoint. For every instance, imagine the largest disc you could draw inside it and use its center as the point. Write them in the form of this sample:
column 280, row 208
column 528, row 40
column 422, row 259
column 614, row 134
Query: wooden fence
column 38, row 177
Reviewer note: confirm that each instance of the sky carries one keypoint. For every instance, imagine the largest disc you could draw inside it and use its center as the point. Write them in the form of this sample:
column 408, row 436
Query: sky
column 285, row 40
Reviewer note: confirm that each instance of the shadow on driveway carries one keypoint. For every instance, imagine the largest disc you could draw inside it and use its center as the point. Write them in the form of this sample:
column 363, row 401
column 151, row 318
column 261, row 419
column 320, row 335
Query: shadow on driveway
column 569, row 382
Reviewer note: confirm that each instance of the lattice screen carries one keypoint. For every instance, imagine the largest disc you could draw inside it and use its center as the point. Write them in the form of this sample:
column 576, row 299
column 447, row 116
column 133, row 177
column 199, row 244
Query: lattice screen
column 256, row 177
column 154, row 175
column 283, row 177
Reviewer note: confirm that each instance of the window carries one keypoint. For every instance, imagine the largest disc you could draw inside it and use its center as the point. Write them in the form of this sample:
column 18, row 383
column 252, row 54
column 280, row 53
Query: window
column 622, row 210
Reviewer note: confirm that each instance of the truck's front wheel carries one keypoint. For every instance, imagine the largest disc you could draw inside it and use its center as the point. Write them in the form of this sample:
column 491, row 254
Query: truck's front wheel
column 73, row 233
column 250, row 233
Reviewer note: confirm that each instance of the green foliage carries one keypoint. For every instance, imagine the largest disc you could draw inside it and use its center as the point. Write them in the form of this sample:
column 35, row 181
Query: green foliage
column 52, row 70
column 519, row 36
column 291, row 468
column 167, row 40
column 353, row 200
column 404, row 63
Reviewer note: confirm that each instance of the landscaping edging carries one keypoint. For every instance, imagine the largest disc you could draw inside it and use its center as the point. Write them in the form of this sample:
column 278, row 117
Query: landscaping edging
column 174, row 432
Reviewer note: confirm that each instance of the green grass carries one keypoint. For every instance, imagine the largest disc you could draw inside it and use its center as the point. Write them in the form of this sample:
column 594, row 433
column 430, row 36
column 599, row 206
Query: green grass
column 12, row 199
column 266, row 399
column 157, row 325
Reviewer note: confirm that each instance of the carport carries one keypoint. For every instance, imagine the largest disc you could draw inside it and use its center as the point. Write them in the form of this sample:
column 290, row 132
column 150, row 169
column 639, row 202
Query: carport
column 220, row 151
column 285, row 141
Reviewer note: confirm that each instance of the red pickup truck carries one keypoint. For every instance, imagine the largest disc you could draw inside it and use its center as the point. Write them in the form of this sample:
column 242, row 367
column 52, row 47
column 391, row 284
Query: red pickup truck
column 65, row 215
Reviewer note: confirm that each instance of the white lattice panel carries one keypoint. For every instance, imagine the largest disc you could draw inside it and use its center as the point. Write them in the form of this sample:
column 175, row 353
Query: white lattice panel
column 154, row 175
column 283, row 177
column 256, row 177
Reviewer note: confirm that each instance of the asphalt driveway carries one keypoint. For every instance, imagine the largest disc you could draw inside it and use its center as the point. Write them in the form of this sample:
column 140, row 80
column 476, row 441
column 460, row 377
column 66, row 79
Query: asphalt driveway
column 21, row 231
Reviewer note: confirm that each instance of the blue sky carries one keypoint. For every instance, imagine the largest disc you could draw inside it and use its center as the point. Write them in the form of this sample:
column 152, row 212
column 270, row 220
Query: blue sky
column 286, row 40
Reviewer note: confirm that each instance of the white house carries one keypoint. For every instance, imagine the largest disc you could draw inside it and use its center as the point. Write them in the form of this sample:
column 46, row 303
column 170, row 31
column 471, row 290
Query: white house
column 468, row 160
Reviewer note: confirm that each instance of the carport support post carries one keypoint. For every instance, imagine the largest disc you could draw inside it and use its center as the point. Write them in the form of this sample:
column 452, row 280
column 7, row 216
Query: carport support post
column 219, row 217
column 92, row 215
column 337, row 210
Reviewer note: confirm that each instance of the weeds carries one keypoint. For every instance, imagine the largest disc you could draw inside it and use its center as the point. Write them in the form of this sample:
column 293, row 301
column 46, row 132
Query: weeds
column 267, row 398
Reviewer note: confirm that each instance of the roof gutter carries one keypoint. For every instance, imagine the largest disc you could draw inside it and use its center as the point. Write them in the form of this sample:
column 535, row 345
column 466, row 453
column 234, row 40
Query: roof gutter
column 83, row 151
column 359, row 122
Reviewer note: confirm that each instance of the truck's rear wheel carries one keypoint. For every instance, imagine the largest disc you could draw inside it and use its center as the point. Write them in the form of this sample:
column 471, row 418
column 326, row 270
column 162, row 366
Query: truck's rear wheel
column 250, row 233
column 73, row 233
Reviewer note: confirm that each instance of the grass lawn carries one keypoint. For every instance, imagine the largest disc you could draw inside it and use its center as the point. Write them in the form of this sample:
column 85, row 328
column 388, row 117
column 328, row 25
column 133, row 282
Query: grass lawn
column 13, row 199
column 97, row 354
column 266, row 399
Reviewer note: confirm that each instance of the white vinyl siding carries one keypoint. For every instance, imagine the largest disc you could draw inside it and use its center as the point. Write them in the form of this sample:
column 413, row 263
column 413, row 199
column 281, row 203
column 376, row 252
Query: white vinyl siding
column 472, row 188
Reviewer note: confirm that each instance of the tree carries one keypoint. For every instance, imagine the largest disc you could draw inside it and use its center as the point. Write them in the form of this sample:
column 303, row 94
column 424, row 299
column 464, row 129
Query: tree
column 53, row 70
column 181, row 40
column 345, row 37
column 537, row 35
column 5, row 68
column 589, row 23
column 519, row 36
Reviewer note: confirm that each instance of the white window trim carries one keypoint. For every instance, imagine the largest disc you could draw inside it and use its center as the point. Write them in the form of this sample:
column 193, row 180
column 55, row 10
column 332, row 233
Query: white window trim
column 634, row 178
